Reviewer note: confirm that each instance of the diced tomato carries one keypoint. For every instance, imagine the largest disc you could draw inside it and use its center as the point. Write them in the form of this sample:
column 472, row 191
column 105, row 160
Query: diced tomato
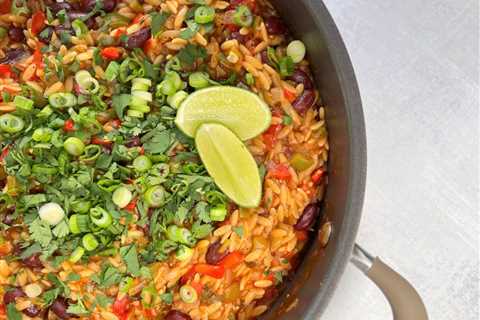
column 117, row 33
column 232, row 27
column 148, row 45
column 301, row 235
column 149, row 313
column 216, row 272
column 69, row 125
column 37, row 57
column 232, row 260
column 121, row 306
column 132, row 205
column 111, row 53
column 2, row 309
column 142, row 151
column 100, row 141
column 317, row 175
column 279, row 171
column 5, row 6
column 197, row 286
column 289, row 95
column 5, row 71
column 269, row 137
column 116, row 123
column 5, row 152
column 38, row 22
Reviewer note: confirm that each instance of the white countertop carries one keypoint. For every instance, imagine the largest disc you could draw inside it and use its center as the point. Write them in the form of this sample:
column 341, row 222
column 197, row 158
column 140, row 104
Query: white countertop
column 416, row 63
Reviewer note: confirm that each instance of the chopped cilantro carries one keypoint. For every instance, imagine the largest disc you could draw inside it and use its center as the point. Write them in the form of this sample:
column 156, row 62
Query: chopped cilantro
column 120, row 102
column 130, row 257
column 167, row 297
column 238, row 230
column 190, row 31
column 73, row 277
column 78, row 308
column 103, row 301
column 158, row 20
column 190, row 53
column 40, row 232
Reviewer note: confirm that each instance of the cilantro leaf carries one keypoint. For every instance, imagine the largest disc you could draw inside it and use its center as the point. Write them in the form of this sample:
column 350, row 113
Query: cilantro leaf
column 50, row 296
column 158, row 143
column 61, row 229
column 13, row 313
column 120, row 102
column 238, row 230
column 73, row 277
column 158, row 20
column 31, row 250
column 167, row 297
column 200, row 231
column 190, row 31
column 108, row 277
column 130, row 258
column 103, row 301
column 78, row 308
column 32, row 200
column 40, row 232
column 190, row 53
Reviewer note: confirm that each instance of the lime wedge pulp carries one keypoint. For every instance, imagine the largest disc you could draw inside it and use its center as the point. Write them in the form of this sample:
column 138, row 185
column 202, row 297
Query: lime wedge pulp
column 230, row 164
column 240, row 110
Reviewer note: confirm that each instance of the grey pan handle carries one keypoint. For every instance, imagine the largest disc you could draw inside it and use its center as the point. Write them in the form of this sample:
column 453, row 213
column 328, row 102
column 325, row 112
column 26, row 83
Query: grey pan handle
column 406, row 303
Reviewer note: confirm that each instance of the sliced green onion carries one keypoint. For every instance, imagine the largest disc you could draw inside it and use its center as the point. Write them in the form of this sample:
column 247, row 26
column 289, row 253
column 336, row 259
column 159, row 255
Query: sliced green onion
column 100, row 217
column 122, row 197
column 141, row 84
column 198, row 80
column 204, row 14
column 62, row 100
column 45, row 112
column 249, row 79
column 77, row 254
column 134, row 113
column 175, row 100
column 44, row 169
column 89, row 242
column 51, row 212
column 174, row 77
column 173, row 64
column 86, row 82
column 188, row 294
column 108, row 252
column 10, row 123
column 180, row 235
column 142, row 163
column 112, row 71
column 183, row 253
column 91, row 153
column 286, row 66
column 301, row 162
column 296, row 50
column 80, row 206
column 74, row 146
column 23, row 103
column 218, row 213
column 42, row 134
column 154, row 196
column 243, row 16
column 144, row 95
column 135, row 101
column 78, row 223
column 140, row 107
column 79, row 27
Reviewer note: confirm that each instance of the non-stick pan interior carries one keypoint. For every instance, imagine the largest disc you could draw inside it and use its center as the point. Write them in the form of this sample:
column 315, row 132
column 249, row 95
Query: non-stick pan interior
column 315, row 280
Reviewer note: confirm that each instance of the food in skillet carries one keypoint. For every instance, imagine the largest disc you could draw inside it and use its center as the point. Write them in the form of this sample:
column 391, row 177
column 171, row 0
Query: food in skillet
column 159, row 159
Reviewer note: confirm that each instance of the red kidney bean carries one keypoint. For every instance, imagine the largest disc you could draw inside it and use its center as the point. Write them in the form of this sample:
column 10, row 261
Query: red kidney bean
column 16, row 34
column 31, row 311
column 275, row 26
column 58, row 6
column 177, row 315
column 270, row 294
column 213, row 255
column 12, row 294
column 305, row 101
column 33, row 261
column 59, row 307
column 300, row 76
column 13, row 55
column 308, row 217
column 8, row 219
column 138, row 39
column 133, row 142
column 107, row 5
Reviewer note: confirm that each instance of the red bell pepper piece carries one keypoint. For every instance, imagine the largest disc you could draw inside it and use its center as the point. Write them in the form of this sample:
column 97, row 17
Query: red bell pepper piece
column 270, row 135
column 111, row 53
column 279, row 171
column 216, row 272
column 301, row 235
column 289, row 95
column 121, row 307
column 38, row 22
column 232, row 260
column 5, row 71
column 132, row 205
column 148, row 45
column 5, row 152
column 5, row 6
column 317, row 175
column 37, row 57
column 69, row 125
column 116, row 123
column 197, row 286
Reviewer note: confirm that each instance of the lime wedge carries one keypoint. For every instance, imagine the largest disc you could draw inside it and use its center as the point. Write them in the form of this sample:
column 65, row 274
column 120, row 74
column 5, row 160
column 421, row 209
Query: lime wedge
column 240, row 110
column 230, row 164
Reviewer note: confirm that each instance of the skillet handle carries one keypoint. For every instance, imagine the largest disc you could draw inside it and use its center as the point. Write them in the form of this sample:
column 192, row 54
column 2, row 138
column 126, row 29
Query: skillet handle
column 404, row 300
